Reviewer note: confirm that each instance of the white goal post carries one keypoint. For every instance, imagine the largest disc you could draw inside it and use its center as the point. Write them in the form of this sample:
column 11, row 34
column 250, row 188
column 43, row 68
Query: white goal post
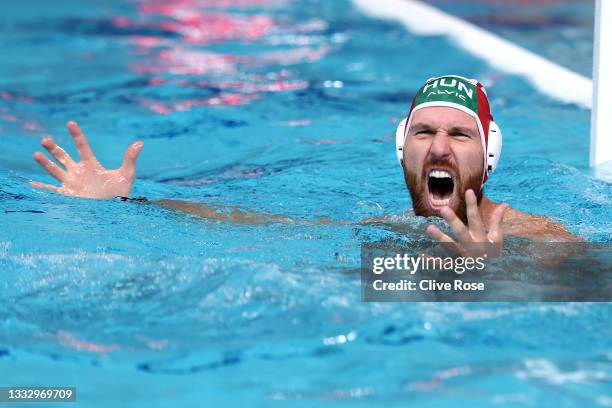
column 601, row 113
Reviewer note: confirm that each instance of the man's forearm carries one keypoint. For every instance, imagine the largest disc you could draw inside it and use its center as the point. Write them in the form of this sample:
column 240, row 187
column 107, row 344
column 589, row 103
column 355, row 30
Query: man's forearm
column 233, row 214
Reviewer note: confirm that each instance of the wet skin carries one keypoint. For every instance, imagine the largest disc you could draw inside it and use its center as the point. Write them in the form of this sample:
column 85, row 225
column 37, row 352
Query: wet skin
column 445, row 139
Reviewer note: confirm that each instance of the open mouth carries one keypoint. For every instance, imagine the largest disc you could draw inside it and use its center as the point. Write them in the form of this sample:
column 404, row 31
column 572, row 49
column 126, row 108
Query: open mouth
column 441, row 186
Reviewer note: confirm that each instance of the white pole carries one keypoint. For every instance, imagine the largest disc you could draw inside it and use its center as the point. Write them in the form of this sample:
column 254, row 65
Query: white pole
column 547, row 76
column 601, row 114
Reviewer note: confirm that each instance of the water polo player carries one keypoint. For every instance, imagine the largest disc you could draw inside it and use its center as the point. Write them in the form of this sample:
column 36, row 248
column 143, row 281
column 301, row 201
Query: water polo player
column 447, row 147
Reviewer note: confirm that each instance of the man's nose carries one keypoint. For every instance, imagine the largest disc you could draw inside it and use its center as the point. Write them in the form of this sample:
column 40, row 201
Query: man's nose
column 440, row 146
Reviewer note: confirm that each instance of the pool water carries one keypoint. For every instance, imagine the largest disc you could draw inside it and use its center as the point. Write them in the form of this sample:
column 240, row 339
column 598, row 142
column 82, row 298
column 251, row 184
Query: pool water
column 287, row 108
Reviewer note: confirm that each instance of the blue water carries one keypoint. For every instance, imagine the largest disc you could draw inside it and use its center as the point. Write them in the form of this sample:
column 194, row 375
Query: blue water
column 287, row 108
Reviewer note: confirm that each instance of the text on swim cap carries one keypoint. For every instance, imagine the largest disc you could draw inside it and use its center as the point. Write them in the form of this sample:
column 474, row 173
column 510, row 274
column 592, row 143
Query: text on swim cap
column 449, row 83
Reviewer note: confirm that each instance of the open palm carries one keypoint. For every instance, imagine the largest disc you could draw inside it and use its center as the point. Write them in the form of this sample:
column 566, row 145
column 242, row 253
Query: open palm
column 87, row 178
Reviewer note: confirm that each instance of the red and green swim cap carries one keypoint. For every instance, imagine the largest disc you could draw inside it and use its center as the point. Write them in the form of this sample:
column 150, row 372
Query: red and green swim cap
column 467, row 95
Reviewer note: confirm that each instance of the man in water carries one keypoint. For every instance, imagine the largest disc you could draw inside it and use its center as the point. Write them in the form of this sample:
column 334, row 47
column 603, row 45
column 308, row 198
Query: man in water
column 446, row 146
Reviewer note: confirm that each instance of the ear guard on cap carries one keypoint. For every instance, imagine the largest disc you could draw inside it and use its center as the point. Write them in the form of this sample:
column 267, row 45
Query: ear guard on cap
column 494, row 146
column 399, row 139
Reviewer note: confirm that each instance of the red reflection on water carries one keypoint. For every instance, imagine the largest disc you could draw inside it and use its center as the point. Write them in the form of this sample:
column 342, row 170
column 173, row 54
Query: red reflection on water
column 32, row 126
column 253, row 85
column 147, row 41
column 121, row 21
column 69, row 340
column 197, row 24
column 10, row 97
column 183, row 6
column 6, row 116
column 177, row 61
column 186, row 26
column 204, row 29
column 225, row 99
column 233, row 93
column 289, row 57
column 10, row 115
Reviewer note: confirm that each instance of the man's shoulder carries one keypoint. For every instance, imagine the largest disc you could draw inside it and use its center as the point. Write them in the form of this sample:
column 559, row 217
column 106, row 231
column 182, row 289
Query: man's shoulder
column 537, row 226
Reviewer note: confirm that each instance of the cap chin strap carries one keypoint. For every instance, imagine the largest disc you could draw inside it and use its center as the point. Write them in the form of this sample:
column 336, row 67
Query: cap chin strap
column 494, row 144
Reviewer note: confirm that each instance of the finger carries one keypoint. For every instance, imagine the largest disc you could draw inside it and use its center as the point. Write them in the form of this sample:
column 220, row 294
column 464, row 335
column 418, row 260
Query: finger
column 43, row 186
column 130, row 157
column 49, row 166
column 81, row 142
column 57, row 152
column 437, row 234
column 475, row 224
column 495, row 232
column 456, row 224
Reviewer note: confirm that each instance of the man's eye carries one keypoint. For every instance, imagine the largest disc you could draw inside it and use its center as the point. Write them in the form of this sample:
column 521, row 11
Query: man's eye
column 424, row 132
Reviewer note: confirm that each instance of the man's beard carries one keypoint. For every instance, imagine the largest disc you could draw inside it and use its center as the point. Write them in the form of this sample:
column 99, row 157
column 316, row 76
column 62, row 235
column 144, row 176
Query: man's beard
column 420, row 201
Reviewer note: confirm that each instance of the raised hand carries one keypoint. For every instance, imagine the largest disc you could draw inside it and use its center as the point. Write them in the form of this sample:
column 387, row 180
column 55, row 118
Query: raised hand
column 472, row 239
column 87, row 178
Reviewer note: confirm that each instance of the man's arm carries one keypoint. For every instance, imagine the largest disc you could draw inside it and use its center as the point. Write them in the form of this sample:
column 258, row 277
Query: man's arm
column 235, row 215
column 88, row 178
